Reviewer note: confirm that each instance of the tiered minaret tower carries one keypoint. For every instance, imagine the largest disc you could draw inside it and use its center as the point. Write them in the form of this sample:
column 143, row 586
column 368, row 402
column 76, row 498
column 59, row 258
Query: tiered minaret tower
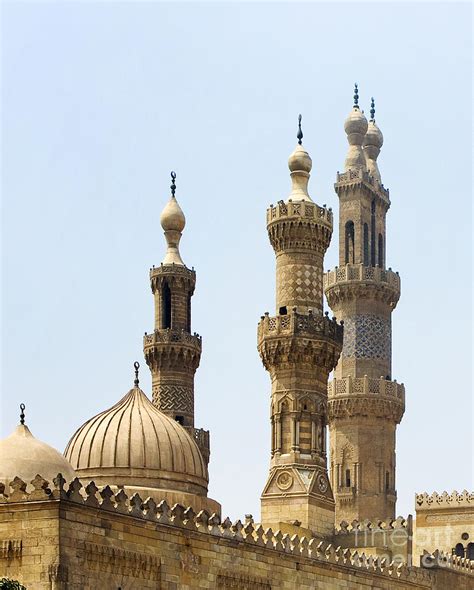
column 299, row 346
column 172, row 352
column 365, row 404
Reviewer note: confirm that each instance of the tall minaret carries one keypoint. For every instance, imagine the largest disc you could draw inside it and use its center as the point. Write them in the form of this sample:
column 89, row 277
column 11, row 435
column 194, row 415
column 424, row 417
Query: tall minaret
column 365, row 404
column 299, row 347
column 172, row 352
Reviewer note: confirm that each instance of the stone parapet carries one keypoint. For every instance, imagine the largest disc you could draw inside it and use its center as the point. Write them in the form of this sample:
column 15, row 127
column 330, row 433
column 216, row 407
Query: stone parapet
column 172, row 272
column 306, row 210
column 360, row 179
column 355, row 281
column 300, row 324
column 442, row 501
column 366, row 397
column 202, row 439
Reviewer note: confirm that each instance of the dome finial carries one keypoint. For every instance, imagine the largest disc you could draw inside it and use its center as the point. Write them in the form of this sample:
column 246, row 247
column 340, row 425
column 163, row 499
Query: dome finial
column 372, row 110
column 173, row 183
column 356, row 96
column 299, row 135
column 22, row 414
column 136, row 366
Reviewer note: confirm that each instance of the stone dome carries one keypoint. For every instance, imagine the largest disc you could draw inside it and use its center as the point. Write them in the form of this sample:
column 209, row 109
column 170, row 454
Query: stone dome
column 374, row 136
column 23, row 455
column 355, row 124
column 135, row 445
column 300, row 160
column 172, row 217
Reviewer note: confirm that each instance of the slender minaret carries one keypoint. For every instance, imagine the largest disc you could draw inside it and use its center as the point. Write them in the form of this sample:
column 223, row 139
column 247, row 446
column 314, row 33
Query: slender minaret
column 299, row 346
column 365, row 405
column 172, row 352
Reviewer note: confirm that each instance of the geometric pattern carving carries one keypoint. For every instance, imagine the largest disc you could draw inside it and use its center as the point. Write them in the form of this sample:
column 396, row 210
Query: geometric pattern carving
column 367, row 336
column 174, row 398
column 238, row 582
column 299, row 283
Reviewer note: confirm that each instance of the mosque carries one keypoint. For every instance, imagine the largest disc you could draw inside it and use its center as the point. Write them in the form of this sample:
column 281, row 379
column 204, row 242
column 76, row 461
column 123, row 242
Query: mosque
column 126, row 506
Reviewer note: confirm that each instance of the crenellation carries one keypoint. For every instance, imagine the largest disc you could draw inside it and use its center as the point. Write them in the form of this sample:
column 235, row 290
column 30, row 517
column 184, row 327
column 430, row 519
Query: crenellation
column 435, row 501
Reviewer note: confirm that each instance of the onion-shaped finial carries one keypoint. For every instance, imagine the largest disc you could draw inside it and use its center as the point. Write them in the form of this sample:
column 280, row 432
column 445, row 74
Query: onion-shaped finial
column 136, row 366
column 22, row 413
column 372, row 109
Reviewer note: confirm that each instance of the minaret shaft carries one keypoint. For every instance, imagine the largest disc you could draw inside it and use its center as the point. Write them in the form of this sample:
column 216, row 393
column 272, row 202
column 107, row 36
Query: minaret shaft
column 364, row 404
column 299, row 346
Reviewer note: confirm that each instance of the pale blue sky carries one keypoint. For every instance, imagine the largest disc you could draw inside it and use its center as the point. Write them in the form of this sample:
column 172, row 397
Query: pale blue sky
column 101, row 101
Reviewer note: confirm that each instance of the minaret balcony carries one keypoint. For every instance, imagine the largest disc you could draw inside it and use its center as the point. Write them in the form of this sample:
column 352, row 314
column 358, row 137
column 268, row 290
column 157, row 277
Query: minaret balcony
column 360, row 177
column 360, row 281
column 366, row 397
column 300, row 324
column 172, row 349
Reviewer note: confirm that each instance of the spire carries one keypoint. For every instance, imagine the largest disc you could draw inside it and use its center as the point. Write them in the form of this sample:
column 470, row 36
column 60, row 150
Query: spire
column 136, row 366
column 355, row 126
column 300, row 165
column 299, row 135
column 373, row 141
column 356, row 96
column 22, row 413
column 173, row 221
column 372, row 110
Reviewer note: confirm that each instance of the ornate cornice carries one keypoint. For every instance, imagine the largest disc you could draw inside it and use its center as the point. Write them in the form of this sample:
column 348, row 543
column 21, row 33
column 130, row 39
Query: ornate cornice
column 175, row 275
column 387, row 408
column 299, row 224
column 360, row 180
column 172, row 349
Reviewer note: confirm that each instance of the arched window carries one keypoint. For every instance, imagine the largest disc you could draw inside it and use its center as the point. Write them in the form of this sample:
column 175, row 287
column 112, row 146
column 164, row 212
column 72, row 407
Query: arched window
column 166, row 306
column 366, row 245
column 459, row 550
column 381, row 250
column 349, row 258
column 470, row 551
column 348, row 478
column 372, row 234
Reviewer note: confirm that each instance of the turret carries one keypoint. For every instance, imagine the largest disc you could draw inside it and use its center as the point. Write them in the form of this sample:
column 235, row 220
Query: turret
column 299, row 346
column 172, row 352
column 365, row 405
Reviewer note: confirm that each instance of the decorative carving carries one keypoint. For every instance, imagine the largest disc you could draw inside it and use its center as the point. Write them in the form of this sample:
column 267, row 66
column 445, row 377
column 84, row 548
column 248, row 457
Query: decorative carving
column 238, row 582
column 367, row 336
column 106, row 559
column 175, row 398
column 375, row 407
column 11, row 549
column 322, row 483
column 284, row 480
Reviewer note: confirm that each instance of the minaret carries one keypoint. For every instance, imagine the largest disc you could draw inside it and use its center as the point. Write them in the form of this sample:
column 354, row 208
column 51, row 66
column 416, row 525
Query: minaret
column 299, row 346
column 365, row 404
column 172, row 352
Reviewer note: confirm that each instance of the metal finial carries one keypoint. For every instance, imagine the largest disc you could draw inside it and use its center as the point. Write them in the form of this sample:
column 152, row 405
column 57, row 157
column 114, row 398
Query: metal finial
column 173, row 184
column 356, row 96
column 299, row 135
column 372, row 110
column 136, row 365
column 22, row 414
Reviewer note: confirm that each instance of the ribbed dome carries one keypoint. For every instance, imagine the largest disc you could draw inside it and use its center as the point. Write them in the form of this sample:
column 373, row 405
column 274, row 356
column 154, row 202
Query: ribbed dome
column 23, row 455
column 133, row 444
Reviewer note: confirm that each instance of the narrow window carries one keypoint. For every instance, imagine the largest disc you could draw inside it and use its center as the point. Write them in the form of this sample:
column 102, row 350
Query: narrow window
column 380, row 250
column 470, row 551
column 166, row 306
column 349, row 258
column 348, row 478
column 372, row 235
column 387, row 480
column 188, row 314
column 179, row 419
column 459, row 550
column 366, row 245
column 283, row 310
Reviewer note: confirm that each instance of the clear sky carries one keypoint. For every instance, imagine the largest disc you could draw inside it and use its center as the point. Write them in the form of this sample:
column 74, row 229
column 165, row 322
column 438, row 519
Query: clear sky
column 101, row 100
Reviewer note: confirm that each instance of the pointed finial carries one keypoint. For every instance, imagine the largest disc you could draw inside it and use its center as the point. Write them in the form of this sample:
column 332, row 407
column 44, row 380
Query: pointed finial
column 173, row 184
column 356, row 96
column 136, row 365
column 22, row 414
column 372, row 109
column 299, row 135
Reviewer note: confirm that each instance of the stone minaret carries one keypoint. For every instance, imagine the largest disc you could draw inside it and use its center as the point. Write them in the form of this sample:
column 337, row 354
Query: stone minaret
column 172, row 352
column 299, row 346
column 365, row 404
